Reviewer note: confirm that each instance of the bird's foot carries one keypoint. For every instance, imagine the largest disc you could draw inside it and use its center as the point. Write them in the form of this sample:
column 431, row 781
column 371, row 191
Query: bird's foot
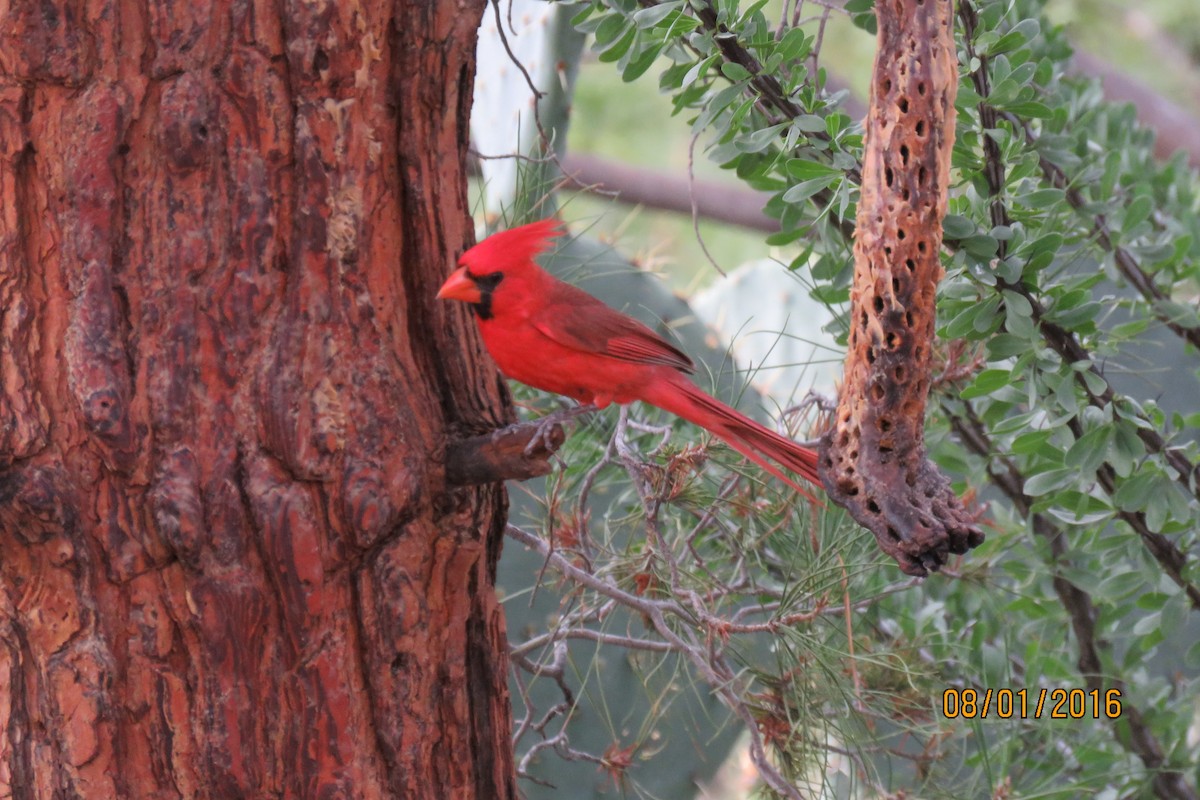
column 546, row 425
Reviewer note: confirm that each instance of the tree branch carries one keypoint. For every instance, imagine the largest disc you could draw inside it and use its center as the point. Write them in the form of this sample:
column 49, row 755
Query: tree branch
column 501, row 455
column 662, row 190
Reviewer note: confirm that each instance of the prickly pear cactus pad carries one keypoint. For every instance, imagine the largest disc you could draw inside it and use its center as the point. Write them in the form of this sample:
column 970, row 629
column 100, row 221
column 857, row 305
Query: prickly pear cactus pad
column 874, row 459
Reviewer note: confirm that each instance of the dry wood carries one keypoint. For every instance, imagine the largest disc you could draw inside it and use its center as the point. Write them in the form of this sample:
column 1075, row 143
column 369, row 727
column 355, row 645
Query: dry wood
column 874, row 458
column 518, row 453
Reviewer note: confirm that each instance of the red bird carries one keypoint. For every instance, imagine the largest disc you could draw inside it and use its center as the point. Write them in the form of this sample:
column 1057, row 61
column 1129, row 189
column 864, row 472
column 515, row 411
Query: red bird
column 554, row 337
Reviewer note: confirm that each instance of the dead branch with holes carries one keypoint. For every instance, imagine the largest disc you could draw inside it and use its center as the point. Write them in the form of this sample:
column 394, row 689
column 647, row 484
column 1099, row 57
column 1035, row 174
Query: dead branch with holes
column 874, row 461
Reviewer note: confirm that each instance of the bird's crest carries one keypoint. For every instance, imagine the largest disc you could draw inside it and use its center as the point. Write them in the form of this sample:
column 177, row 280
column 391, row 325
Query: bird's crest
column 512, row 248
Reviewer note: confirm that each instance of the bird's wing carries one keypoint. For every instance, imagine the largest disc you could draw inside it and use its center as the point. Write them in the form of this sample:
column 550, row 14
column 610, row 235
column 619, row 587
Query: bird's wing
column 575, row 319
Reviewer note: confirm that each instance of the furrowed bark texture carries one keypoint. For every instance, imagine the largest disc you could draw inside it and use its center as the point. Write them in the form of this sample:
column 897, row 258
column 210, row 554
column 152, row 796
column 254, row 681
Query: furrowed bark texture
column 230, row 566
column 874, row 461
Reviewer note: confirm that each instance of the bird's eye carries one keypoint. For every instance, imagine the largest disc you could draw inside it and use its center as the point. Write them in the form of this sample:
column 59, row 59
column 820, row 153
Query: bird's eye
column 488, row 282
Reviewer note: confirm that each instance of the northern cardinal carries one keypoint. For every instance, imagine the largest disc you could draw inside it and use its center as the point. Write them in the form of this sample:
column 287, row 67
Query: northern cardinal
column 555, row 337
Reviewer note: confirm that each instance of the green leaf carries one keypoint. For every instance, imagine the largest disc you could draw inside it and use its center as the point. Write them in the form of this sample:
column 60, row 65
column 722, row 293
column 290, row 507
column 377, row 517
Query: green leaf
column 981, row 246
column 1005, row 345
column 609, row 31
column 619, row 48
column 784, row 237
column 1089, row 450
column 1156, row 516
column 1044, row 198
column 1020, row 324
column 1049, row 243
column 757, row 141
column 1046, row 482
column 717, row 104
column 1128, row 330
column 1126, row 448
column 698, row 69
column 1135, row 493
column 1121, row 584
column 1096, row 384
column 957, row 227
column 1078, row 508
column 794, row 45
column 735, row 71
column 582, row 16
column 806, row 189
column 1076, row 319
column 1023, row 31
column 1152, row 601
column 1175, row 613
column 1028, row 608
column 1030, row 109
column 1147, row 624
column 962, row 323
column 803, row 170
column 986, row 382
column 810, row 123
column 1031, row 441
column 1017, row 304
column 1181, row 504
column 651, row 16
column 1138, row 212
column 638, row 65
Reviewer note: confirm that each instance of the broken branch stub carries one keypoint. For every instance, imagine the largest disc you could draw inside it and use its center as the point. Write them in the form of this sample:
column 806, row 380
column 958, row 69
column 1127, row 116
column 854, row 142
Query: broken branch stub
column 874, row 460
column 517, row 453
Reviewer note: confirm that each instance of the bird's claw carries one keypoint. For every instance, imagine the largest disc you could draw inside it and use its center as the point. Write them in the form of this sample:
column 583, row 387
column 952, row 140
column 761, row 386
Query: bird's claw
column 543, row 436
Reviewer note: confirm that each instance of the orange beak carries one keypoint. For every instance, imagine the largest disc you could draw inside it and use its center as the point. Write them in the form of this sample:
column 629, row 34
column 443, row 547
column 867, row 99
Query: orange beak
column 460, row 286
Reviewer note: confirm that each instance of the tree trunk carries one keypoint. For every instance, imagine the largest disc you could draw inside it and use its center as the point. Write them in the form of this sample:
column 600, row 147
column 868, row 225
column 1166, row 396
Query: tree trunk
column 230, row 562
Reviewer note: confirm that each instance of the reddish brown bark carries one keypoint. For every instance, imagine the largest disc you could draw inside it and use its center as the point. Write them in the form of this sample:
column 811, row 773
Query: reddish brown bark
column 230, row 565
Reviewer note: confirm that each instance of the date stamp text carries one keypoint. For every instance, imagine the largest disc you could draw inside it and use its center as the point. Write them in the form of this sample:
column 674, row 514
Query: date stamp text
column 1031, row 704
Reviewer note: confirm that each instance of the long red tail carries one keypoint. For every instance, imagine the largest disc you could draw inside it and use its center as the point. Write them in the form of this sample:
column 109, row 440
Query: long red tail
column 681, row 397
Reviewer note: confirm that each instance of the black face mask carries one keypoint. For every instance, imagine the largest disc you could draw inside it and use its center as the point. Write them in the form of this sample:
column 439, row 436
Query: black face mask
column 487, row 284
